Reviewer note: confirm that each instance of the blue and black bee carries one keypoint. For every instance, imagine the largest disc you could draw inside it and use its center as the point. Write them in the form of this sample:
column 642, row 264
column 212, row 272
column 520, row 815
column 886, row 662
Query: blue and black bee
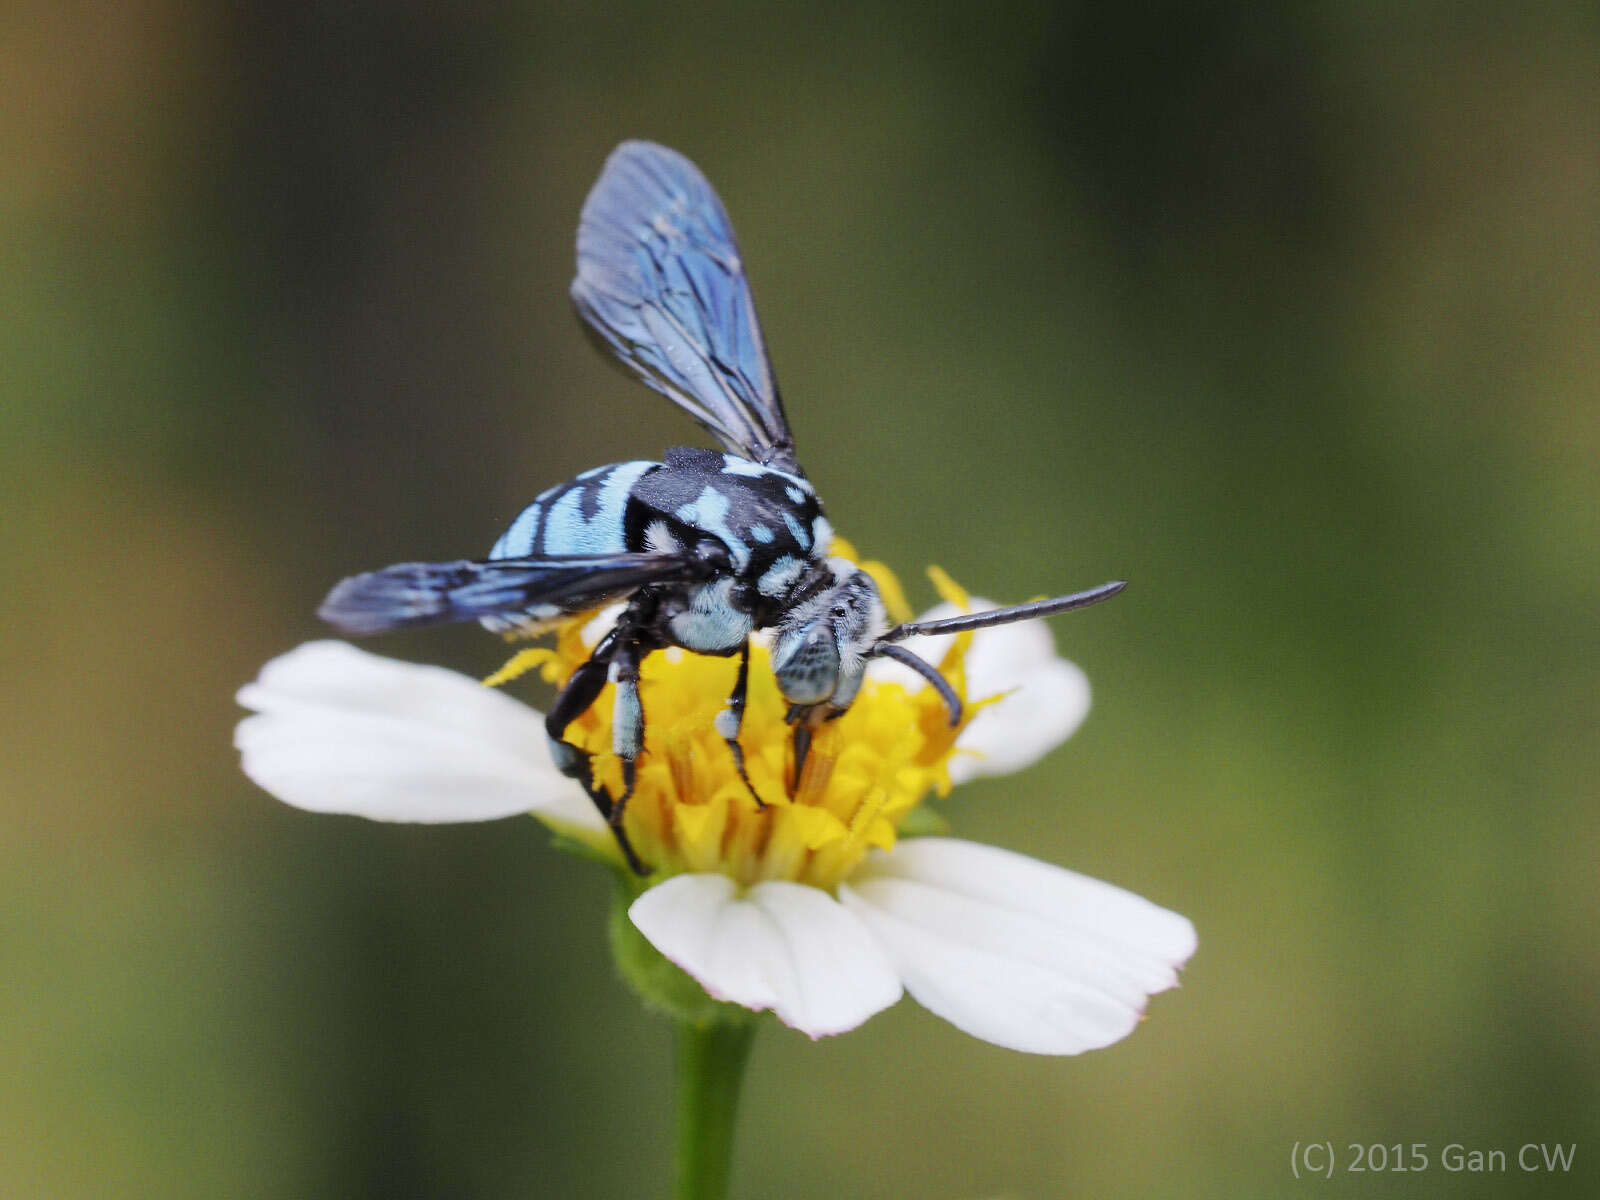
column 705, row 547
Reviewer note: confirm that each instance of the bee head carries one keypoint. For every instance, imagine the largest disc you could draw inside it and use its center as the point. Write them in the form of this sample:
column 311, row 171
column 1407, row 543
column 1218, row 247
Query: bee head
column 820, row 650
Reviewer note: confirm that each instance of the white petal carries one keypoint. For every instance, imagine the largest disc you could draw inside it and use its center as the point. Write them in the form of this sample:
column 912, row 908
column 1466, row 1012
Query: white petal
column 783, row 946
column 1043, row 698
column 343, row 731
column 1016, row 951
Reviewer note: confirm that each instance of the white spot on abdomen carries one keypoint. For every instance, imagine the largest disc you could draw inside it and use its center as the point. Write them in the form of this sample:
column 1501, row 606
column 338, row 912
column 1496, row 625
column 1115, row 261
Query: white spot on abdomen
column 568, row 531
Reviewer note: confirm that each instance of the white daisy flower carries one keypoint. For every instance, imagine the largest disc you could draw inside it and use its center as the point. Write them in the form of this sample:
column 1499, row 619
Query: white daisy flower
column 812, row 906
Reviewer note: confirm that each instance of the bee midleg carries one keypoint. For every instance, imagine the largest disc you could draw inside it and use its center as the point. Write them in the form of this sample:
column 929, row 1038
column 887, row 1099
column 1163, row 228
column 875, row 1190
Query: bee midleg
column 574, row 699
column 627, row 720
column 730, row 720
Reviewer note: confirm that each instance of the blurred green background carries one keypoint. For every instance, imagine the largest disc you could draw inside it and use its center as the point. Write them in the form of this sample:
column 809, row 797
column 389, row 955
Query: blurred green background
column 1288, row 315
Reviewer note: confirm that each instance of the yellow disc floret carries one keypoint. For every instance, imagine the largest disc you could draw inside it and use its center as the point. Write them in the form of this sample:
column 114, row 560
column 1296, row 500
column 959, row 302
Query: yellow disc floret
column 690, row 811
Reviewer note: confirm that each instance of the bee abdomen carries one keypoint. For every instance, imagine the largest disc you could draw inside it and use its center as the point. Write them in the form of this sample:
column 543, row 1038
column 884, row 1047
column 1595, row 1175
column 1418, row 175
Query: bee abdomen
column 587, row 515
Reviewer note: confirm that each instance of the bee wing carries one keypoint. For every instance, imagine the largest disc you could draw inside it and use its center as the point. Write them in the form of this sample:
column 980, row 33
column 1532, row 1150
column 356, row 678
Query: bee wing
column 408, row 595
column 660, row 282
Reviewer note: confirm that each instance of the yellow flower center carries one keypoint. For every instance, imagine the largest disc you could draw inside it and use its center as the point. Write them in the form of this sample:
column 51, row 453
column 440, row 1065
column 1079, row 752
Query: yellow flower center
column 690, row 811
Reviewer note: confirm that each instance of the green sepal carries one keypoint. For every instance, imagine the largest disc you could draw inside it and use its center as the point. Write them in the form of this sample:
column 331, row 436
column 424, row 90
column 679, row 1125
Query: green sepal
column 655, row 979
column 582, row 848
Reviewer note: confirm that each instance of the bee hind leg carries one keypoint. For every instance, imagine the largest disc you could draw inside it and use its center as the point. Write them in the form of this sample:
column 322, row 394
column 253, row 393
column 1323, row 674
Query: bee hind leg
column 574, row 699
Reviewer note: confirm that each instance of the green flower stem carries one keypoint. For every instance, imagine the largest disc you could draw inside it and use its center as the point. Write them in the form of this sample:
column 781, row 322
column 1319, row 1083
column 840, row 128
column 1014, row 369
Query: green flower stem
column 713, row 1046
column 711, row 1059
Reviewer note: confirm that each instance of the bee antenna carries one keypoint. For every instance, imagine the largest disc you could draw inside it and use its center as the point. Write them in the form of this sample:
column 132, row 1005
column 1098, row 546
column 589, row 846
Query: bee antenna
column 952, row 702
column 1004, row 616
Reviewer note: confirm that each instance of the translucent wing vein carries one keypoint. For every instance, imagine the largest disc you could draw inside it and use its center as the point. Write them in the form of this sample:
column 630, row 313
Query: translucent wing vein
column 661, row 283
column 409, row 595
